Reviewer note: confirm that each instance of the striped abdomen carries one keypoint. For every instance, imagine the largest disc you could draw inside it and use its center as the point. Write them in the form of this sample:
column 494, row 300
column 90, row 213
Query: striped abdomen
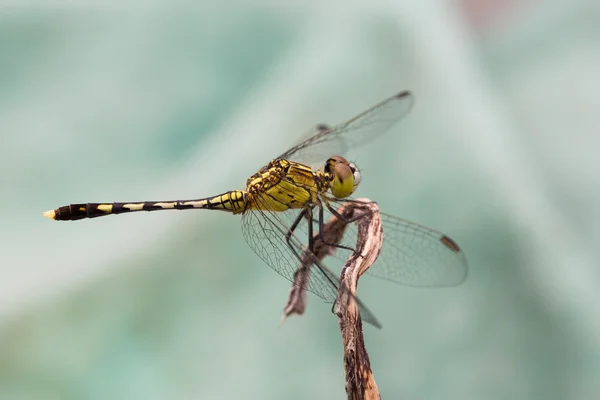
column 234, row 201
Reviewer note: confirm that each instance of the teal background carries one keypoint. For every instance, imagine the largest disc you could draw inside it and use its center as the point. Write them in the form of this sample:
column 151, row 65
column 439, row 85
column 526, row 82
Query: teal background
column 105, row 102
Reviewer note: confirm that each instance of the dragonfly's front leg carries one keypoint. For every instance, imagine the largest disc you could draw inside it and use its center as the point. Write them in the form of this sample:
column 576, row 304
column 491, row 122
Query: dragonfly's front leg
column 322, row 224
column 340, row 216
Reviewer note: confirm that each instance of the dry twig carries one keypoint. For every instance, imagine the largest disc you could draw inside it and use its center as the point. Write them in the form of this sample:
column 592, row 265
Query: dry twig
column 360, row 383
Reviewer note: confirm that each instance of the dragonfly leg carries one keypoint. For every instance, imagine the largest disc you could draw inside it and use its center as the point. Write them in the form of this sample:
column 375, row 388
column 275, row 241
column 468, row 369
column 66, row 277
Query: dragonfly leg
column 308, row 213
column 340, row 216
column 311, row 238
column 290, row 232
column 321, row 228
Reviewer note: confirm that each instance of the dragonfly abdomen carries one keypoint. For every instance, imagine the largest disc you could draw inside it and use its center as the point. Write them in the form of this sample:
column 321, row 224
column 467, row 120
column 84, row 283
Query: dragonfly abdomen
column 233, row 201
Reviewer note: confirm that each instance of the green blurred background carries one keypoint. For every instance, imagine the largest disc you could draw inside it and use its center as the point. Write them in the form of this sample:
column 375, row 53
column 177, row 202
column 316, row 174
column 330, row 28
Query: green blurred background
column 160, row 101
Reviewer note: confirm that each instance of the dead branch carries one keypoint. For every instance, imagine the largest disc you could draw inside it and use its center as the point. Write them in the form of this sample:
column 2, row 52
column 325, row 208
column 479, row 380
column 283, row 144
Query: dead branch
column 333, row 233
column 360, row 383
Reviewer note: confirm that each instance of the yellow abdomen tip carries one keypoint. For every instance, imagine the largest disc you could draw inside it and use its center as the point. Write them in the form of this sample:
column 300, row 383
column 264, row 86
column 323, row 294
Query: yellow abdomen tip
column 50, row 214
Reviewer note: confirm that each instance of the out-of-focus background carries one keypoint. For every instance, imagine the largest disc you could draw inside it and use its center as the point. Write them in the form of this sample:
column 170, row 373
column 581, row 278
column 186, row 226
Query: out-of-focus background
column 161, row 101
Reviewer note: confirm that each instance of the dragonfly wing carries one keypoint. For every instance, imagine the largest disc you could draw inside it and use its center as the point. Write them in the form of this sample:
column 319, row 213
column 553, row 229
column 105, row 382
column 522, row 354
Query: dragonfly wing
column 414, row 255
column 363, row 128
column 314, row 155
column 265, row 232
column 411, row 254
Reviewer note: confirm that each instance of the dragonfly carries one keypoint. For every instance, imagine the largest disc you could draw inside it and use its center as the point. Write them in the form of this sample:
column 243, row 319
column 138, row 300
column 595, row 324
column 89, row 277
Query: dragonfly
column 283, row 209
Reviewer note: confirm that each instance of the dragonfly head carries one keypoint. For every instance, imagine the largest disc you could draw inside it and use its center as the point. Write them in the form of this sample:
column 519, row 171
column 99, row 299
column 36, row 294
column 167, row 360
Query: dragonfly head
column 344, row 176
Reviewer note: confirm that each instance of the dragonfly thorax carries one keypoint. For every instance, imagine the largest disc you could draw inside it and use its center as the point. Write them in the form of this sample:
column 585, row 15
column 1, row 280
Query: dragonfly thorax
column 283, row 185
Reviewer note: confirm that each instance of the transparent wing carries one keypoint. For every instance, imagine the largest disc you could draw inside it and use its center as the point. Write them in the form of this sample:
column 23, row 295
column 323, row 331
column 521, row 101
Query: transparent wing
column 337, row 140
column 265, row 232
column 414, row 255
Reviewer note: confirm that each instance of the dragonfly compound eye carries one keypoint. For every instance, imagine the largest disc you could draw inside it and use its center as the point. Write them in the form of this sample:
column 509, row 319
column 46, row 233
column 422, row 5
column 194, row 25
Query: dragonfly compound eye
column 342, row 184
column 355, row 175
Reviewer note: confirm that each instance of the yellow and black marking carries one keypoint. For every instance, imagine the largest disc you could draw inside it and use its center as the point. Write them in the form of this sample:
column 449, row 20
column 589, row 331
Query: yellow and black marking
column 284, row 185
column 279, row 186
column 234, row 201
